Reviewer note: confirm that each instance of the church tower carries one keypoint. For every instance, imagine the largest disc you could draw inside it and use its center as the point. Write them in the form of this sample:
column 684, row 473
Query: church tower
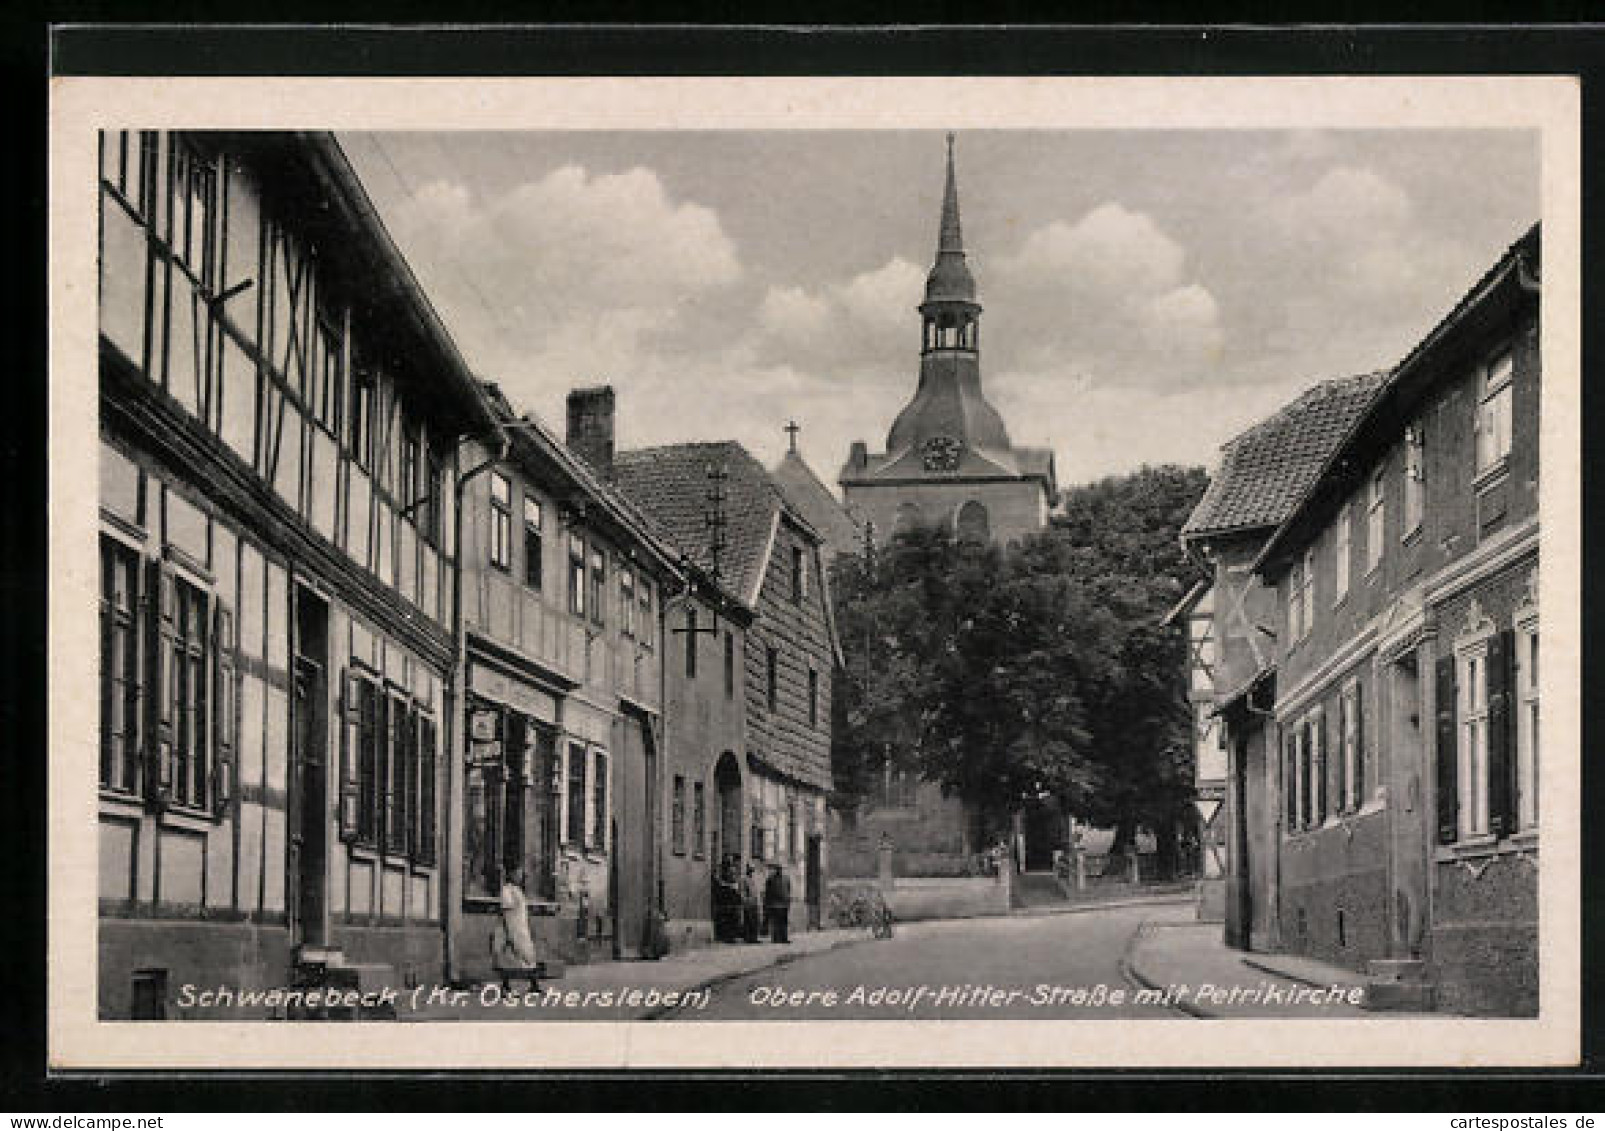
column 948, row 457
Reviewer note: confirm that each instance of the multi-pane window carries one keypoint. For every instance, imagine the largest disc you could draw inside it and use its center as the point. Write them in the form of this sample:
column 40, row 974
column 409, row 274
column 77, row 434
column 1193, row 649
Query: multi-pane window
column 119, row 667
column 1527, row 725
column 598, row 837
column 360, row 813
column 1351, row 765
column 813, row 698
column 501, row 521
column 691, row 641
column 574, row 811
column 533, row 527
column 1301, row 597
column 677, row 816
column 576, row 575
column 194, row 212
column 359, row 425
column 400, row 736
column 1472, row 752
column 699, row 818
column 1343, row 552
column 329, row 362
column 1376, row 516
column 598, row 583
column 1415, row 477
column 1494, row 411
column 129, row 158
column 1308, row 573
column 627, row 601
column 729, row 665
column 771, row 678
column 188, row 643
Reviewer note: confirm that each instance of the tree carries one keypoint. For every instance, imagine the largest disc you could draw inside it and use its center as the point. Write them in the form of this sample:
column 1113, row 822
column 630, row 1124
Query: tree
column 1043, row 669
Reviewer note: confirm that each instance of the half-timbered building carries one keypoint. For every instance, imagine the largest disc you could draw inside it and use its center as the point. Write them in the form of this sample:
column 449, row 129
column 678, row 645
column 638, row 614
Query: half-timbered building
column 280, row 419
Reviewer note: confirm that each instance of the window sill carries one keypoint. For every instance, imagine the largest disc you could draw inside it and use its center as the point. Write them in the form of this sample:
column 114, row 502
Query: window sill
column 191, row 820
column 1487, row 847
column 122, row 804
column 1492, row 475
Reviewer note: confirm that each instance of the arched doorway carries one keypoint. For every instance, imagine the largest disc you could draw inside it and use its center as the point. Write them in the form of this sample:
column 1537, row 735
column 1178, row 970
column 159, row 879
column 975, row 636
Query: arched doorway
column 726, row 856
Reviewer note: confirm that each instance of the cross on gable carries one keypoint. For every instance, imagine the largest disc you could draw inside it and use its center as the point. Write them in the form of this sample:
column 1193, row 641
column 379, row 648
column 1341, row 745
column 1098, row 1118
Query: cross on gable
column 792, row 428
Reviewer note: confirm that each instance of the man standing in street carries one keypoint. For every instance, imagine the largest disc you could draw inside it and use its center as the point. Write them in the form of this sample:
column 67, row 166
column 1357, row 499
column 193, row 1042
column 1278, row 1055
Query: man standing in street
column 777, row 904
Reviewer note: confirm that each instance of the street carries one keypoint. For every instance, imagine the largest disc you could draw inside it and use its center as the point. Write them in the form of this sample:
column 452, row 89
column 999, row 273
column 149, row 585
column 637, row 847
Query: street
column 1042, row 967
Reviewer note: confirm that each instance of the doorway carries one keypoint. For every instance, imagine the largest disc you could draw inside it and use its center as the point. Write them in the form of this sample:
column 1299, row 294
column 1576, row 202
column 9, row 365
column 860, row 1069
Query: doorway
column 1240, row 898
column 309, row 768
column 727, row 780
column 814, row 878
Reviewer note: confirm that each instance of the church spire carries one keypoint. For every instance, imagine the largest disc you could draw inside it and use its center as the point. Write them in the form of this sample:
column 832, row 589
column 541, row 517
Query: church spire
column 950, row 280
column 950, row 239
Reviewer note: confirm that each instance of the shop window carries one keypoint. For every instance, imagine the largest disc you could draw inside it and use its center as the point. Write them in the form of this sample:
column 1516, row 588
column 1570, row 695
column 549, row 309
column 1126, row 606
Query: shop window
column 484, row 803
column 574, row 811
column 501, row 521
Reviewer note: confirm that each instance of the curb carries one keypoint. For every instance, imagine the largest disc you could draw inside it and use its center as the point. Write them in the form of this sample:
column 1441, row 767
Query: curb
column 663, row 1012
column 1267, row 968
column 1078, row 908
column 1128, row 968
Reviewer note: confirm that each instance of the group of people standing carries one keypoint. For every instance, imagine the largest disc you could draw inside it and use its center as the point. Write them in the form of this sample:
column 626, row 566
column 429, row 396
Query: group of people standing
column 741, row 910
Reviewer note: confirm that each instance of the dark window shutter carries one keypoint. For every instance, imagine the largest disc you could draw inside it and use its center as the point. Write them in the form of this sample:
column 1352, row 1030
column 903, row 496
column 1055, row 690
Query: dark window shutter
column 350, row 741
column 1358, row 723
column 1501, row 764
column 1319, row 756
column 163, row 643
column 1290, row 779
column 1447, row 786
column 426, row 789
column 224, row 699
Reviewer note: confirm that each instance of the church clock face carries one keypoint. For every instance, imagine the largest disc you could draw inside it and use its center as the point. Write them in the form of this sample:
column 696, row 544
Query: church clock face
column 942, row 453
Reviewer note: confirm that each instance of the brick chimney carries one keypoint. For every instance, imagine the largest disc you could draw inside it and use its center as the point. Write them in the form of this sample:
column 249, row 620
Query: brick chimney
column 590, row 427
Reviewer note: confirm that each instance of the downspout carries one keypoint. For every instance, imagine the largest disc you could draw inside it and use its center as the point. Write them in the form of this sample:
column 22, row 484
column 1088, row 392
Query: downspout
column 450, row 872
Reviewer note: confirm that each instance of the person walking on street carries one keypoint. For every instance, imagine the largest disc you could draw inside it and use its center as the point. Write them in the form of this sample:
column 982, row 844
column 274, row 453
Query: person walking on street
column 777, row 902
column 751, row 908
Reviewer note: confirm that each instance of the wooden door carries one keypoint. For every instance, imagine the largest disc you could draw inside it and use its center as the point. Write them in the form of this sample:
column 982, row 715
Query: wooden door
column 308, row 847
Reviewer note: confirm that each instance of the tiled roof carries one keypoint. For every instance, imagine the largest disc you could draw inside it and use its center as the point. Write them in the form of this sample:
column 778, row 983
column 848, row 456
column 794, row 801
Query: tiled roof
column 1265, row 471
column 672, row 484
column 815, row 502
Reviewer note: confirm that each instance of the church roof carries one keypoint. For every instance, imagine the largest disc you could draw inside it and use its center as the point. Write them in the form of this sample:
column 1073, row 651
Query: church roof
column 672, row 484
column 817, row 503
column 1265, row 470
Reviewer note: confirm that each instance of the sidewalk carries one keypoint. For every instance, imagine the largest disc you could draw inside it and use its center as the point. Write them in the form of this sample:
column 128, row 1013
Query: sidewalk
column 1095, row 900
column 1204, row 977
column 626, row 990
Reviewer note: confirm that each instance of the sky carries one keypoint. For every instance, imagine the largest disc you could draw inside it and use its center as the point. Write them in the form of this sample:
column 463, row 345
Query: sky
column 1147, row 294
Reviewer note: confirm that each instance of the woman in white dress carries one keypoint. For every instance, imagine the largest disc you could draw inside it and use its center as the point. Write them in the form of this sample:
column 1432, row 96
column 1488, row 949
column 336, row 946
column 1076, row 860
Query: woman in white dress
column 514, row 947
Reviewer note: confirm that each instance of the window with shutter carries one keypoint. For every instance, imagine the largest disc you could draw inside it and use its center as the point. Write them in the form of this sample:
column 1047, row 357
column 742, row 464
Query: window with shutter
column 1526, row 709
column 225, row 698
column 1448, row 788
column 1358, row 709
column 1501, row 766
column 123, row 613
column 350, row 754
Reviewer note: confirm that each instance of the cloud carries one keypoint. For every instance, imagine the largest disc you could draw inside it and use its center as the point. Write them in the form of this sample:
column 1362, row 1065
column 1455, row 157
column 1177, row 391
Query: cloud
column 1110, row 291
column 863, row 328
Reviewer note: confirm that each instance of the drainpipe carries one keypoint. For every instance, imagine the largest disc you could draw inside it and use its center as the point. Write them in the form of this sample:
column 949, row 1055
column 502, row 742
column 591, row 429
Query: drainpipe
column 456, row 695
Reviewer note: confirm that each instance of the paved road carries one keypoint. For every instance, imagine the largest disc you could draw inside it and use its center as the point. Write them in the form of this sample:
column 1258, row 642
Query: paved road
column 1042, row 967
